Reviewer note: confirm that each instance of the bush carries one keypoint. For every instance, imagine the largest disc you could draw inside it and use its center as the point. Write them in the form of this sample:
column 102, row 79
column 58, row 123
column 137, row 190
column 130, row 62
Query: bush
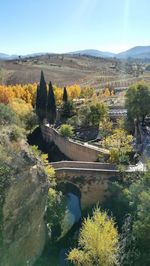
column 66, row 131
column 117, row 156
column 7, row 115
column 56, row 207
column 73, row 121
column 30, row 121
column 11, row 133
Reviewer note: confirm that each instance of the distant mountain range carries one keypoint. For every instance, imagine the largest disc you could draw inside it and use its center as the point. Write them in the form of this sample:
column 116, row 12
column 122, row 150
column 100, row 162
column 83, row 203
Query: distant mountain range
column 10, row 57
column 138, row 52
column 7, row 57
column 93, row 52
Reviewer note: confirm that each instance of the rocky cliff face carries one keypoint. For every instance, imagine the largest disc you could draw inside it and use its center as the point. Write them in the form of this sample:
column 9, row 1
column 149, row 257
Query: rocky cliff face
column 22, row 223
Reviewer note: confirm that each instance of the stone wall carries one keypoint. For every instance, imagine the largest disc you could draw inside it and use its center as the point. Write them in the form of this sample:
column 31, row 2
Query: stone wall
column 83, row 165
column 73, row 150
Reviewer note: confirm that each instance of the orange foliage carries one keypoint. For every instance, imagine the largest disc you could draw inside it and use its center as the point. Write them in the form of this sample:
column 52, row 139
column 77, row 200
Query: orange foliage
column 58, row 94
column 73, row 91
column 106, row 92
column 25, row 92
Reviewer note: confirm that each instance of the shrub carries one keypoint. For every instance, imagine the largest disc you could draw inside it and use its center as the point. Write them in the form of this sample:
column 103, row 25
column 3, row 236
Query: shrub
column 11, row 133
column 73, row 121
column 117, row 156
column 7, row 115
column 66, row 131
column 30, row 121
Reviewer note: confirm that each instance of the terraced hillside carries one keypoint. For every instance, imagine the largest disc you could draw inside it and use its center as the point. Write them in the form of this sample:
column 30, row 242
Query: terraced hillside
column 68, row 69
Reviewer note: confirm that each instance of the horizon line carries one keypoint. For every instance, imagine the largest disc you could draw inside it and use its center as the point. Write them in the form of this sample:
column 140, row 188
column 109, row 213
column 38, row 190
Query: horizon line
column 74, row 51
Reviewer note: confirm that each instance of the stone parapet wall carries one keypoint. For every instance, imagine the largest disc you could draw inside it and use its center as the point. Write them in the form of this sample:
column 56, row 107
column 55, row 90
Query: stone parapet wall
column 72, row 149
column 83, row 165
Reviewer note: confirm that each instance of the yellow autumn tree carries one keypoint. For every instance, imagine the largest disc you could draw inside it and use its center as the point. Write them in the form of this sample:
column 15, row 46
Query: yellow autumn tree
column 107, row 92
column 94, row 98
column 21, row 108
column 98, row 242
column 74, row 91
column 119, row 144
column 58, row 91
column 6, row 94
column 119, row 140
column 25, row 92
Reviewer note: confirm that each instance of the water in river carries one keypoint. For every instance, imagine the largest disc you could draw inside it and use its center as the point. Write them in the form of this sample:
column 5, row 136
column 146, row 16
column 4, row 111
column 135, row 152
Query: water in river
column 72, row 217
column 55, row 255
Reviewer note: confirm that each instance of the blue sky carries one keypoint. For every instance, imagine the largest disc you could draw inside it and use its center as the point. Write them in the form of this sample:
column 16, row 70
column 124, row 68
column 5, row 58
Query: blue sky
column 28, row 26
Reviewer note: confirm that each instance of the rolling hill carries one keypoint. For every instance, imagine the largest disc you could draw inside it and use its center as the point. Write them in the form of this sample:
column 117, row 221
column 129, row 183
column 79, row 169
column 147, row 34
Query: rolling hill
column 140, row 52
column 137, row 52
column 92, row 52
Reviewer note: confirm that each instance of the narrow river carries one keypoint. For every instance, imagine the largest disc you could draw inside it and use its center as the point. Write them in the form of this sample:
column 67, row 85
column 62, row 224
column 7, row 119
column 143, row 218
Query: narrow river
column 72, row 217
column 56, row 255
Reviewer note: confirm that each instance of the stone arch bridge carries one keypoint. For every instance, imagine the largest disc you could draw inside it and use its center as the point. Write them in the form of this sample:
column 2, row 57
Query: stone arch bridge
column 91, row 179
column 88, row 178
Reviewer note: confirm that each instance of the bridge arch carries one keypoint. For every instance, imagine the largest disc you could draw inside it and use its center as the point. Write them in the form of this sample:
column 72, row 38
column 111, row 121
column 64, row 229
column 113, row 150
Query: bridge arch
column 68, row 187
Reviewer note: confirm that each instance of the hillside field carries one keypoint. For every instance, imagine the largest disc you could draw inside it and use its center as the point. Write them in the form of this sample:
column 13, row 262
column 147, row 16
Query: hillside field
column 68, row 69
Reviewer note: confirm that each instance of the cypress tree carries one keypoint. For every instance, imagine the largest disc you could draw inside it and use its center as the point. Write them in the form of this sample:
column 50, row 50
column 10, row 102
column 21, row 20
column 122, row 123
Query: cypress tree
column 67, row 107
column 41, row 99
column 65, row 95
column 51, row 105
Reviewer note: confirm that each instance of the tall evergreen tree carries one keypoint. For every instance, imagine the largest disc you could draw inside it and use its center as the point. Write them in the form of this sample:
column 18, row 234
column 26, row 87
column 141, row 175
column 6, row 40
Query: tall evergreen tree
column 65, row 95
column 67, row 107
column 51, row 105
column 41, row 98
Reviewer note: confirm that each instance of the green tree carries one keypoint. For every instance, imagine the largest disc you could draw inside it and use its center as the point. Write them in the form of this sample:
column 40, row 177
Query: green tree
column 97, row 112
column 92, row 115
column 105, row 127
column 66, row 131
column 139, row 202
column 41, row 99
column 68, row 109
column 138, row 102
column 51, row 105
column 83, row 116
column 119, row 144
column 131, row 199
column 30, row 121
column 98, row 242
column 65, row 95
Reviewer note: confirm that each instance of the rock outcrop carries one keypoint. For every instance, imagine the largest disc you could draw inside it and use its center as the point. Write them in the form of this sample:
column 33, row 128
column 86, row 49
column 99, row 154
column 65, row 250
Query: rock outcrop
column 23, row 229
